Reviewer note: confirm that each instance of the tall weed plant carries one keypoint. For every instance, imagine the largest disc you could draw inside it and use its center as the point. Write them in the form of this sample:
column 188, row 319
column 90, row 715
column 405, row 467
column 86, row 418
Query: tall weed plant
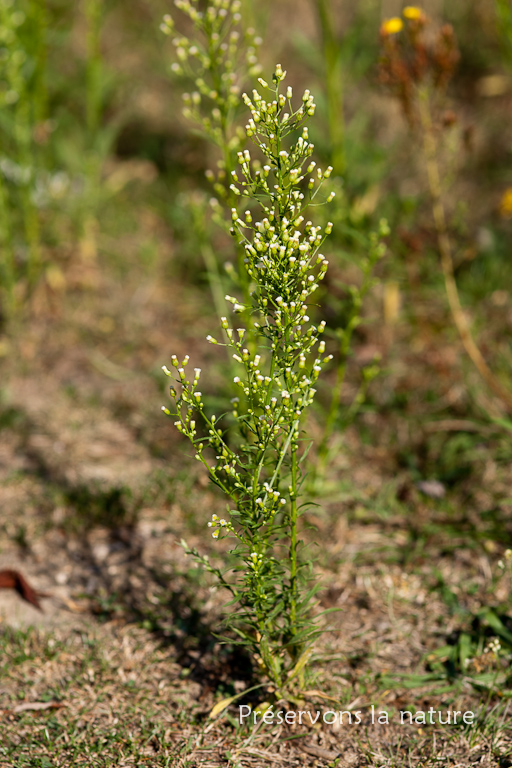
column 256, row 457
column 217, row 57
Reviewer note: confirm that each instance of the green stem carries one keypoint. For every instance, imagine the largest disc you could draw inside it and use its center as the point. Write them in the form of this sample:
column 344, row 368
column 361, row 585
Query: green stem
column 7, row 263
column 293, row 545
column 331, row 49
column 40, row 15
column 229, row 164
column 23, row 135
column 93, row 73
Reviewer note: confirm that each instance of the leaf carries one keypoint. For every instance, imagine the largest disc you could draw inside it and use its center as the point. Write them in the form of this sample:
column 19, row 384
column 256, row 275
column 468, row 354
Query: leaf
column 14, row 580
column 411, row 681
column 495, row 623
column 319, row 695
column 37, row 706
column 262, row 707
column 224, row 703
column 488, row 680
column 443, row 653
column 505, row 423
column 301, row 663
column 221, row 706
column 270, row 661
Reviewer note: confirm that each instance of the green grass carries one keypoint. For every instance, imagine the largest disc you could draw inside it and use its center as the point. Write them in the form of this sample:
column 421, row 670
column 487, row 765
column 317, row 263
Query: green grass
column 109, row 711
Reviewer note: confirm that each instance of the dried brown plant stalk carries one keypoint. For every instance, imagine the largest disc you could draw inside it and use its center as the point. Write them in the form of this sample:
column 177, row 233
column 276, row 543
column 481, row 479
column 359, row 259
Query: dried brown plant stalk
column 445, row 252
column 417, row 68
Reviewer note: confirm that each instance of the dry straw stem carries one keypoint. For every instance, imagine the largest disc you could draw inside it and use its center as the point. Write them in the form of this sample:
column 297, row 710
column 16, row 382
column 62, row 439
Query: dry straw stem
column 445, row 250
column 333, row 85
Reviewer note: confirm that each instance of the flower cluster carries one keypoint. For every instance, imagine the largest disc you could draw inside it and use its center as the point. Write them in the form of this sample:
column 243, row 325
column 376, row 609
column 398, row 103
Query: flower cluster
column 279, row 257
column 413, row 55
column 279, row 355
column 218, row 524
column 395, row 25
column 218, row 60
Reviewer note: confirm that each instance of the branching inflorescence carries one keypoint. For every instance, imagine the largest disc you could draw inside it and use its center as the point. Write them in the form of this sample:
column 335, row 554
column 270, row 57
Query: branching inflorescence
column 219, row 58
column 280, row 357
column 216, row 62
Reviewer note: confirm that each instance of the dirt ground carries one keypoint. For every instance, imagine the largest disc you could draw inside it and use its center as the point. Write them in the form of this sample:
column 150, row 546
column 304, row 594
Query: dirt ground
column 96, row 492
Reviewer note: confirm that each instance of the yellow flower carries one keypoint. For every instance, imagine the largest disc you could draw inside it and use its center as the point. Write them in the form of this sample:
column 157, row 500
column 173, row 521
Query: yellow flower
column 411, row 12
column 506, row 204
column 391, row 26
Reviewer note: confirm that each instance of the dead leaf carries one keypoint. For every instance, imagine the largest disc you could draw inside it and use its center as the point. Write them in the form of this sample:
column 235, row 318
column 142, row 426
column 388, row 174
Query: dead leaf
column 36, row 706
column 325, row 754
column 10, row 579
column 318, row 694
column 433, row 488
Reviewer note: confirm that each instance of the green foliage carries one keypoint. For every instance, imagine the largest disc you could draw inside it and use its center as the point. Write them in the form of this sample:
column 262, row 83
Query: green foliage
column 22, row 104
column 504, row 18
column 45, row 177
column 259, row 468
column 481, row 652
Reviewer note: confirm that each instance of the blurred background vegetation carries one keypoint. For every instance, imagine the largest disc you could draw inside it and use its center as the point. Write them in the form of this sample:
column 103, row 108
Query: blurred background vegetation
column 93, row 141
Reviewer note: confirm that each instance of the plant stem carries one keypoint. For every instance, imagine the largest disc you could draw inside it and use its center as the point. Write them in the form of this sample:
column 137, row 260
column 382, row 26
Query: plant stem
column 40, row 13
column 23, row 134
column 293, row 539
column 333, row 85
column 226, row 124
column 445, row 250
column 7, row 263
column 93, row 67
